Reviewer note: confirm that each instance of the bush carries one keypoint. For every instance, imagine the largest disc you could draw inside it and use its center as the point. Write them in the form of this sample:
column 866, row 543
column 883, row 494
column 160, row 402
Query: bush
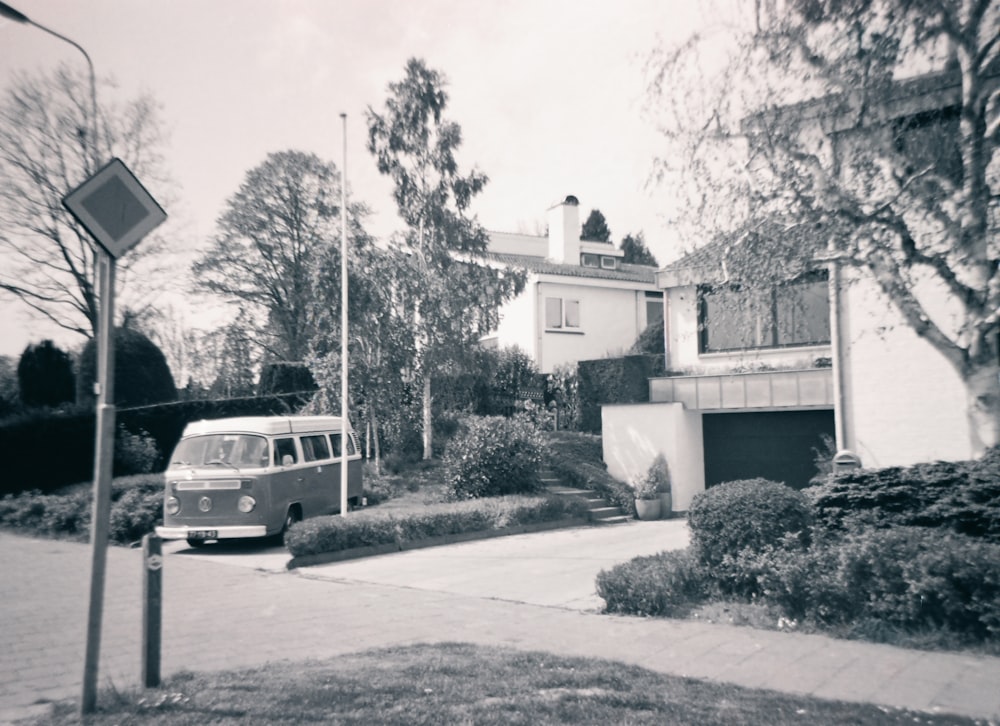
column 136, row 507
column 909, row 578
column 746, row 514
column 961, row 496
column 142, row 375
column 135, row 453
column 576, row 457
column 372, row 527
column 668, row 584
column 493, row 456
column 45, row 376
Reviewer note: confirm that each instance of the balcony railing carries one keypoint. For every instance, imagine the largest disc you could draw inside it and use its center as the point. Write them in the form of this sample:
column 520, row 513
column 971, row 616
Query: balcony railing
column 806, row 388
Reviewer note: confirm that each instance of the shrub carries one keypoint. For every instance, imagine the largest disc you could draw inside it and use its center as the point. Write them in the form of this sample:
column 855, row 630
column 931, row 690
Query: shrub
column 961, row 496
column 142, row 375
column 655, row 481
column 372, row 527
column 576, row 457
column 909, row 578
column 493, row 456
column 45, row 375
column 134, row 453
column 668, row 584
column 745, row 514
column 136, row 507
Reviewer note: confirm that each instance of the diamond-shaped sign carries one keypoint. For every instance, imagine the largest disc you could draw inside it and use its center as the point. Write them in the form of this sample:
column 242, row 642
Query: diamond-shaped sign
column 115, row 208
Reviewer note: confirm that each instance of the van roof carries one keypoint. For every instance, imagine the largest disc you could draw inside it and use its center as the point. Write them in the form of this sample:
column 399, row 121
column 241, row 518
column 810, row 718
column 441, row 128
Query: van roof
column 264, row 425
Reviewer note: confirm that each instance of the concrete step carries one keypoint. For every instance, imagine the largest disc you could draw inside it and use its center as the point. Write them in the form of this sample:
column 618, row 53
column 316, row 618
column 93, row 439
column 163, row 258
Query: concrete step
column 605, row 512
column 617, row 519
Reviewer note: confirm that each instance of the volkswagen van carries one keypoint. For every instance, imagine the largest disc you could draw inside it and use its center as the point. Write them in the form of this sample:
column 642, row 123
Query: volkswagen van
column 256, row 476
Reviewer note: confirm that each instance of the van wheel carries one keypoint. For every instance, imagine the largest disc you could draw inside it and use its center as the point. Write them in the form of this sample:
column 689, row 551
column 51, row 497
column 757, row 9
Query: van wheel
column 293, row 515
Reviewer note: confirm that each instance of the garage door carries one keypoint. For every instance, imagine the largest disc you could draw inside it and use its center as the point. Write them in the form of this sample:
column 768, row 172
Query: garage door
column 776, row 445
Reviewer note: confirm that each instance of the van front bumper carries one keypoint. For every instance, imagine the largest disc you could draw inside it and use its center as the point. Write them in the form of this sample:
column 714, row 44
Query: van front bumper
column 227, row 532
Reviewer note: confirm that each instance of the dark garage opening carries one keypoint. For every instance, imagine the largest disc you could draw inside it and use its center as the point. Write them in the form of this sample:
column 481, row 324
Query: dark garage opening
column 776, row 445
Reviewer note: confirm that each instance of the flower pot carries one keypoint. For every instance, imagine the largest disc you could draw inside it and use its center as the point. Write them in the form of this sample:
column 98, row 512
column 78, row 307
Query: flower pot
column 666, row 505
column 647, row 509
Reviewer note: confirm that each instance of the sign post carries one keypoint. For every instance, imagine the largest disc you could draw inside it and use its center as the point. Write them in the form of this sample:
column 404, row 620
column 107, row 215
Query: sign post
column 118, row 212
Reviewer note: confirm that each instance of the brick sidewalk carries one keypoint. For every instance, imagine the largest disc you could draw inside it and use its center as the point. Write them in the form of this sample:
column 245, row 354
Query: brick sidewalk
column 226, row 617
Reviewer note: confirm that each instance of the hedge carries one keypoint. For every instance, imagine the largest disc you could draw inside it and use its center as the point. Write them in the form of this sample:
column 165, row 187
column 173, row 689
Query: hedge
column 614, row 380
column 44, row 450
column 963, row 497
column 320, row 535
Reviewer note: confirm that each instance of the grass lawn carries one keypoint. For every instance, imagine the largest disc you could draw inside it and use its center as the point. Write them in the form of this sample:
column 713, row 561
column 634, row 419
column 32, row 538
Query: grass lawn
column 466, row 684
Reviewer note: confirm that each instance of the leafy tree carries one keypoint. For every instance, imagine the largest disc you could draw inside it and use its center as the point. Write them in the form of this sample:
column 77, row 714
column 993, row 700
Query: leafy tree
column 142, row 375
column 813, row 138
column 47, row 148
column 381, row 345
column 227, row 354
column 595, row 228
column 636, row 252
column 10, row 396
column 273, row 230
column 453, row 298
column 45, row 375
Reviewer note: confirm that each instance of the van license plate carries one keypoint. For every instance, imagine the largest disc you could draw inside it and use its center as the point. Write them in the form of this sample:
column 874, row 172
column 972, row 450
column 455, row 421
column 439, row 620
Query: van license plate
column 203, row 534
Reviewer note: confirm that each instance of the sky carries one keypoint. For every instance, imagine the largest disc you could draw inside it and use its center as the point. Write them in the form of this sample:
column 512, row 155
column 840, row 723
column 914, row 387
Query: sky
column 549, row 95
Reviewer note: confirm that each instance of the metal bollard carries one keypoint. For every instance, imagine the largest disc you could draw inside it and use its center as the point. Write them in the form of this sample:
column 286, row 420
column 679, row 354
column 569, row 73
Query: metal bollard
column 152, row 608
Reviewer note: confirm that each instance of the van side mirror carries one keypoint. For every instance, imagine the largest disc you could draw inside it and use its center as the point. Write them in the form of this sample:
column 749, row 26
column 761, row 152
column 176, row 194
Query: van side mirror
column 287, row 460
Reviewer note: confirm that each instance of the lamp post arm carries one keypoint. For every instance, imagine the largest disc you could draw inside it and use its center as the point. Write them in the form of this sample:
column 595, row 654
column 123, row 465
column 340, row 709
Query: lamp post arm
column 7, row 11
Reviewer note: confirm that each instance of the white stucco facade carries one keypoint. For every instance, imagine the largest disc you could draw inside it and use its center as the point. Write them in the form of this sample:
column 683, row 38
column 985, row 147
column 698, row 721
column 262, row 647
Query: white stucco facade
column 601, row 306
column 903, row 402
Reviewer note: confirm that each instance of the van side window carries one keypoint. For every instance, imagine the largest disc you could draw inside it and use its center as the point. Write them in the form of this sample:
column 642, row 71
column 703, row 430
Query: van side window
column 351, row 451
column 315, row 448
column 335, row 440
column 283, row 448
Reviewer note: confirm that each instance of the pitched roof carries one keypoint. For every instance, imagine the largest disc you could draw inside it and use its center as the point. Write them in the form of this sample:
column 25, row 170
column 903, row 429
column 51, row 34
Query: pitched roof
column 625, row 273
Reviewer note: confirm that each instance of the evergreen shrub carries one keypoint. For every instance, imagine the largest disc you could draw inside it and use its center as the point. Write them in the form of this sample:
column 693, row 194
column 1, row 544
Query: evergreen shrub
column 371, row 527
column 493, row 456
column 910, row 578
column 745, row 514
column 667, row 584
column 963, row 497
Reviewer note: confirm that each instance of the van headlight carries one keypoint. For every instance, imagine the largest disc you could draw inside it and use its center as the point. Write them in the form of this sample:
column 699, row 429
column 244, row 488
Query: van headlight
column 246, row 504
column 173, row 505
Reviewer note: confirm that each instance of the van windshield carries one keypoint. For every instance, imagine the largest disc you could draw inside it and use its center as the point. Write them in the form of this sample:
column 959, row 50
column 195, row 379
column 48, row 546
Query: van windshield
column 236, row 451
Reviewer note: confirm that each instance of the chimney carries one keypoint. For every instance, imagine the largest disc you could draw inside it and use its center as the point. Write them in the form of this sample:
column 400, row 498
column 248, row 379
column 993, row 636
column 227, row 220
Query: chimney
column 564, row 231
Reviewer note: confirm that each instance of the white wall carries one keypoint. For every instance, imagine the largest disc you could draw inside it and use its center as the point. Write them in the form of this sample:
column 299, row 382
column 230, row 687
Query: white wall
column 609, row 322
column 633, row 434
column 518, row 323
column 904, row 402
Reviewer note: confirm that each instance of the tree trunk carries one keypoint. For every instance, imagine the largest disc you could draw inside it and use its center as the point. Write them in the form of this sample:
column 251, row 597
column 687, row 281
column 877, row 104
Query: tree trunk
column 373, row 423
column 982, row 386
column 428, row 438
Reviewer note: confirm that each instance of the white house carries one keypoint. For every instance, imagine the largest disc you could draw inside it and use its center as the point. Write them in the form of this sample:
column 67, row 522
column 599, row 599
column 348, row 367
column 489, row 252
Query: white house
column 757, row 391
column 581, row 301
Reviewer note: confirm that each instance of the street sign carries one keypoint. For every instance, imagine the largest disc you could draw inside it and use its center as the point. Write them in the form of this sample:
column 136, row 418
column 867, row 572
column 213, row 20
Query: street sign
column 115, row 208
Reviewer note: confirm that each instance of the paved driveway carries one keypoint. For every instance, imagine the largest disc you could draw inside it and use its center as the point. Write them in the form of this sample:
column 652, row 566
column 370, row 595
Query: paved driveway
column 554, row 569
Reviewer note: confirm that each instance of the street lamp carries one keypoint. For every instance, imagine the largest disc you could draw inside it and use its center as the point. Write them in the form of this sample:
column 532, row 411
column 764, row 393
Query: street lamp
column 105, row 411
column 6, row 11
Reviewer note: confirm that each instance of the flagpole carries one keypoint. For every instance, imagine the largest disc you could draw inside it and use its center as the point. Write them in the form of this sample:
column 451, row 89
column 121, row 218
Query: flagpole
column 343, row 322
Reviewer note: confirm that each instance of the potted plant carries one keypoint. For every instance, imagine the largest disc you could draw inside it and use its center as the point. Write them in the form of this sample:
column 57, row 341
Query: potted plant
column 647, row 499
column 659, row 474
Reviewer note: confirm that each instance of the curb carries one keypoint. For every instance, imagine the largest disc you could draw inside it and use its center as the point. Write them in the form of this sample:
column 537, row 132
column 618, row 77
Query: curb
column 324, row 558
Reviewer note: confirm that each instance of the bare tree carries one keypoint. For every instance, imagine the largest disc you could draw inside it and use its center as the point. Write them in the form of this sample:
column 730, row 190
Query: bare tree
column 47, row 148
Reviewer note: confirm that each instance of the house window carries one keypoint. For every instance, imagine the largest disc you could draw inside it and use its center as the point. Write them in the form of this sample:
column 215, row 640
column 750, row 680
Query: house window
column 588, row 260
column 654, row 308
column 609, row 263
column 562, row 314
column 735, row 318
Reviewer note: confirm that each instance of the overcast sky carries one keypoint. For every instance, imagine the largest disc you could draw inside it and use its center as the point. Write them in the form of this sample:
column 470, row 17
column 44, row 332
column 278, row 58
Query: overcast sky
column 549, row 95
